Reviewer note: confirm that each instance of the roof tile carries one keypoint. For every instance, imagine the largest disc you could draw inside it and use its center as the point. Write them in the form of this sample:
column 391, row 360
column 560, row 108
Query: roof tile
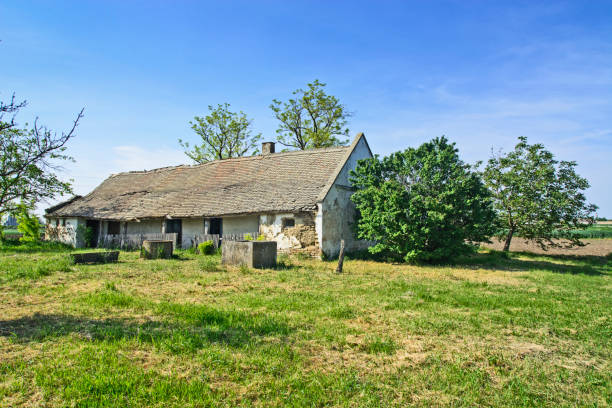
column 279, row 182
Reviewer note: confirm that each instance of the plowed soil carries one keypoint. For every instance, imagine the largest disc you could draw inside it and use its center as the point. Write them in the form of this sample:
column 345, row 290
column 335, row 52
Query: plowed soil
column 594, row 247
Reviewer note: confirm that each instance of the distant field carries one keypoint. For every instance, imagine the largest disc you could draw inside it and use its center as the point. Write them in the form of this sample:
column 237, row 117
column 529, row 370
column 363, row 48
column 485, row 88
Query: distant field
column 529, row 330
column 593, row 247
column 599, row 230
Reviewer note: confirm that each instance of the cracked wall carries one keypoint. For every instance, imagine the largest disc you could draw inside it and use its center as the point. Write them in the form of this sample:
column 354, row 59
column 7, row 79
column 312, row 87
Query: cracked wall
column 296, row 238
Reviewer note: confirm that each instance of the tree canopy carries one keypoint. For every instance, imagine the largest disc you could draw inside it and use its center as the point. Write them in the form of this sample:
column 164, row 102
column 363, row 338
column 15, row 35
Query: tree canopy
column 30, row 160
column 422, row 204
column 311, row 119
column 538, row 197
column 224, row 134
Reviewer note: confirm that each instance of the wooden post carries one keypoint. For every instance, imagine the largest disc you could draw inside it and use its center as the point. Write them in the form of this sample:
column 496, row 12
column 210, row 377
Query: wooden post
column 340, row 257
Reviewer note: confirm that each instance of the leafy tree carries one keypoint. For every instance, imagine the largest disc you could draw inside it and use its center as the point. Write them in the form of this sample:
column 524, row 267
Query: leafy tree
column 224, row 134
column 29, row 160
column 28, row 225
column 538, row 197
column 311, row 119
column 422, row 204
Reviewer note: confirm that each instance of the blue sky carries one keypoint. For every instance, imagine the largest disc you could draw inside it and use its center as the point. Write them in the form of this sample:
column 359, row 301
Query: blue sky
column 480, row 72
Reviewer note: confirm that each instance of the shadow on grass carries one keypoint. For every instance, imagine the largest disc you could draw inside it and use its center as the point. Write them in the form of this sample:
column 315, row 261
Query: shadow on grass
column 514, row 261
column 581, row 264
column 215, row 328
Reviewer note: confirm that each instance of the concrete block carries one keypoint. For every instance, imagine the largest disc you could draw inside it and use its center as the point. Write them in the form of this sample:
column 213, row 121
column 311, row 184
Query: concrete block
column 254, row 254
column 95, row 257
column 153, row 249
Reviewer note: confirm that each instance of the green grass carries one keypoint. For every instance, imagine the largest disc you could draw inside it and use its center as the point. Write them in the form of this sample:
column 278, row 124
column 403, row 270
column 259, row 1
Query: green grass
column 11, row 247
column 495, row 330
column 594, row 231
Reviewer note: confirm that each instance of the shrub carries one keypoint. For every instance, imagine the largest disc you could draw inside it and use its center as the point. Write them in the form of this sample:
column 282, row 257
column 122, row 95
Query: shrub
column 84, row 235
column 28, row 225
column 261, row 237
column 248, row 237
column 422, row 204
column 206, row 248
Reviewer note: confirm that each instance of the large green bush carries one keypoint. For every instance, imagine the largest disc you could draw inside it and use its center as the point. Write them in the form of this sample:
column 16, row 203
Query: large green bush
column 422, row 204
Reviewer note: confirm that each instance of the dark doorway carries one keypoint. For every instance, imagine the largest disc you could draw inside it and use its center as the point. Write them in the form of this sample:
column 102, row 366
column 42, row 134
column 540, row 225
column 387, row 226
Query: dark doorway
column 175, row 227
column 92, row 230
column 215, row 226
column 114, row 227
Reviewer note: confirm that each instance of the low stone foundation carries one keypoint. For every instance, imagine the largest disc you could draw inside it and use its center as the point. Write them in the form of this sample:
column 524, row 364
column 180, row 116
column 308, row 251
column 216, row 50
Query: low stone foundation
column 313, row 252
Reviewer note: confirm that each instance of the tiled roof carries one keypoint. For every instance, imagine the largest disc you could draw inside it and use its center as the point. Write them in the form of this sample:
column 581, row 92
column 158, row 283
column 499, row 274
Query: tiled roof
column 278, row 182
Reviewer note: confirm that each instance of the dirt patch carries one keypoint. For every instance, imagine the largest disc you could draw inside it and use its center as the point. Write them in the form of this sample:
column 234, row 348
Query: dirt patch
column 525, row 349
column 594, row 247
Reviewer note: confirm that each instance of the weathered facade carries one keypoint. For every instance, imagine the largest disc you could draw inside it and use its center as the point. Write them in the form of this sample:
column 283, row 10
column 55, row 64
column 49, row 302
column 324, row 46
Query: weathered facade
column 299, row 199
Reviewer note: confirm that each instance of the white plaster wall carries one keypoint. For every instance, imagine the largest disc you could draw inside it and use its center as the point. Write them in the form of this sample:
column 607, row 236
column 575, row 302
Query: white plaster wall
column 361, row 151
column 240, row 225
column 144, row 227
column 191, row 227
column 337, row 211
column 319, row 224
column 72, row 222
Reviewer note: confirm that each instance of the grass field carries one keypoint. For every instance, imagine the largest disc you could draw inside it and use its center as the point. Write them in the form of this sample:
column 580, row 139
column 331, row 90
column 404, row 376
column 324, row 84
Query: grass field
column 529, row 330
column 599, row 230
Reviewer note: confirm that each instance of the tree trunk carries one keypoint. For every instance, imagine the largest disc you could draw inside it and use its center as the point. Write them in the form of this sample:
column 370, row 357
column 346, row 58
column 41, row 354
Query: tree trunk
column 508, row 240
column 340, row 257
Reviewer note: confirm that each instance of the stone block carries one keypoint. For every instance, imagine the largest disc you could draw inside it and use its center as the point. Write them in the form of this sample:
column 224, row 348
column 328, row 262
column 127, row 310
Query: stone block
column 95, row 257
column 153, row 249
column 254, row 254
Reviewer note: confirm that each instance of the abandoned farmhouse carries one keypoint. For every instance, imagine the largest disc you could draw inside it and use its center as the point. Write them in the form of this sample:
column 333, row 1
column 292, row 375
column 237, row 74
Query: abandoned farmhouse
column 299, row 199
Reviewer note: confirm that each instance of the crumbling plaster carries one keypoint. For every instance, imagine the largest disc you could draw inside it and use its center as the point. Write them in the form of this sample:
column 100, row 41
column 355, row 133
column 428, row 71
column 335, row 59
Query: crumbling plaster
column 66, row 234
column 337, row 212
column 300, row 236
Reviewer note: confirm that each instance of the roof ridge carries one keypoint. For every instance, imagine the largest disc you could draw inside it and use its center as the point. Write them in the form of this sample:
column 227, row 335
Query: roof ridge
column 279, row 182
column 243, row 158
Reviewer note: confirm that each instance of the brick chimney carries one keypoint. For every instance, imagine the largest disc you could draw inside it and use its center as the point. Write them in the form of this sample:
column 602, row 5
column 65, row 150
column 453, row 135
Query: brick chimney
column 267, row 147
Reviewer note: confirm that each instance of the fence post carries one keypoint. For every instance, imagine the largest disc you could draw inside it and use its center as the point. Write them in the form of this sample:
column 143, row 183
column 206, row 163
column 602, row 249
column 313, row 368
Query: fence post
column 340, row 257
